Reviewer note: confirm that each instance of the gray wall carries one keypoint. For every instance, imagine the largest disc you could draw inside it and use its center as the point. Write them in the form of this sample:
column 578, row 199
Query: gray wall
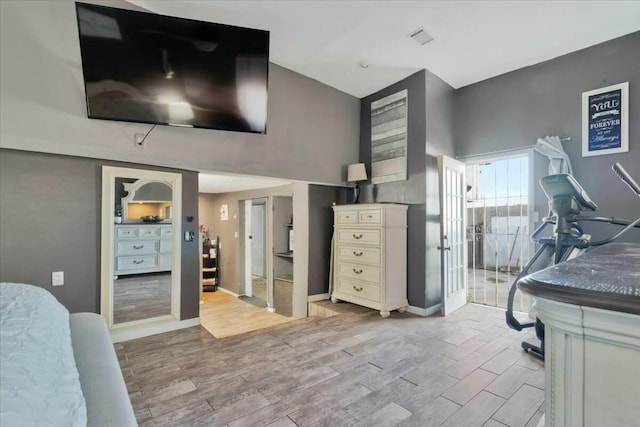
column 190, row 273
column 312, row 133
column 430, row 134
column 412, row 191
column 513, row 110
column 50, row 221
column 439, row 127
column 320, row 230
column 231, row 256
column 312, row 129
column 321, row 198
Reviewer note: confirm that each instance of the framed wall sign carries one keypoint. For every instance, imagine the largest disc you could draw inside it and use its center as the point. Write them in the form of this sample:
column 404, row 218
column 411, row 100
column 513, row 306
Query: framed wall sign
column 389, row 138
column 605, row 120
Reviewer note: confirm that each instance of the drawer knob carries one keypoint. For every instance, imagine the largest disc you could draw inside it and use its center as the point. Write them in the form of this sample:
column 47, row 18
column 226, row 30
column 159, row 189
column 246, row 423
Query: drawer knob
column 369, row 216
column 357, row 253
column 357, row 289
column 135, row 261
column 357, row 236
column 347, row 216
column 138, row 246
column 357, row 271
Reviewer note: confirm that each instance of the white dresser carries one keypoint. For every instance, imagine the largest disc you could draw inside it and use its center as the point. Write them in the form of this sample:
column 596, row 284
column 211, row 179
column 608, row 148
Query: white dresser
column 370, row 256
column 142, row 248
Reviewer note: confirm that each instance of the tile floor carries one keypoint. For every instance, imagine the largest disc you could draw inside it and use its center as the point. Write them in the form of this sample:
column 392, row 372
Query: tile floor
column 354, row 368
column 141, row 296
column 492, row 287
column 259, row 287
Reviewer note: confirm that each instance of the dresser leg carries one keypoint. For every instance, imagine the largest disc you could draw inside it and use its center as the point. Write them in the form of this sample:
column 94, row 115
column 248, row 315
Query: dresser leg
column 334, row 300
column 385, row 314
column 402, row 309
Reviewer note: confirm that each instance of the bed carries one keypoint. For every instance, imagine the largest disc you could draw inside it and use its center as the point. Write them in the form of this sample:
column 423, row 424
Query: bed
column 56, row 368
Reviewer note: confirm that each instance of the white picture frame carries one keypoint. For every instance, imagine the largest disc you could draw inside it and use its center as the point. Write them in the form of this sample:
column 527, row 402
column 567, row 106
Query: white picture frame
column 224, row 212
column 605, row 120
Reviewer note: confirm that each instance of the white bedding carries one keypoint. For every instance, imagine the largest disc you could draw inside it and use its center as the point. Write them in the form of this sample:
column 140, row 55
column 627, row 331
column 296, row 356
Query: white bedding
column 39, row 381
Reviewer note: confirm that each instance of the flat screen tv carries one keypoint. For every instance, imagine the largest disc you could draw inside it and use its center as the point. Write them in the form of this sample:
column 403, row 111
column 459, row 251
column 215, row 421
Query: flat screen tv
column 142, row 67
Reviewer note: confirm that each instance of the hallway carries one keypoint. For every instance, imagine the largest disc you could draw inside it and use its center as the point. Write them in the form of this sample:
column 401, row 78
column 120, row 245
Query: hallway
column 224, row 315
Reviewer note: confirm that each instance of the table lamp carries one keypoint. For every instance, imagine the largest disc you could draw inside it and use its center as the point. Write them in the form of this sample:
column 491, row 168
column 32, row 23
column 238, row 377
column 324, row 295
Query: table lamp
column 356, row 173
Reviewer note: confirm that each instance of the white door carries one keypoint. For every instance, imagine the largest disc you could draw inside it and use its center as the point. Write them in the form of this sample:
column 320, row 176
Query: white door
column 258, row 231
column 248, row 248
column 453, row 242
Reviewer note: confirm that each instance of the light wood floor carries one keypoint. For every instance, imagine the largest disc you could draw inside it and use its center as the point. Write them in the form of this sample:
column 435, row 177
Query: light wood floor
column 224, row 315
column 259, row 287
column 350, row 369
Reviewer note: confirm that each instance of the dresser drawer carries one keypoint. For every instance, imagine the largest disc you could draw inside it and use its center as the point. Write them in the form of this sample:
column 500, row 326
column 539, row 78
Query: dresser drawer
column 358, row 236
column 369, row 255
column 136, row 262
column 366, row 291
column 369, row 273
column 164, row 261
column 125, row 232
column 149, row 232
column 136, row 247
column 370, row 216
column 165, row 246
column 346, row 217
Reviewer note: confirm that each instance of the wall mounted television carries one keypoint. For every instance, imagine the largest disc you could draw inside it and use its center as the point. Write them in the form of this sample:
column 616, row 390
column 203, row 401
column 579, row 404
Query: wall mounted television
column 143, row 67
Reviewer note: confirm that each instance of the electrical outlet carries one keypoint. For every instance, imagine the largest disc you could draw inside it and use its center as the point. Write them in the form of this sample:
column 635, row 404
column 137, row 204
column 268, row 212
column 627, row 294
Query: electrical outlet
column 57, row 278
column 138, row 140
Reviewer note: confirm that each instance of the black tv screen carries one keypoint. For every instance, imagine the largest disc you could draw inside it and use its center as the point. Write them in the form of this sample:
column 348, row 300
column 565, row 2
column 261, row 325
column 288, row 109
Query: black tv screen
column 142, row 67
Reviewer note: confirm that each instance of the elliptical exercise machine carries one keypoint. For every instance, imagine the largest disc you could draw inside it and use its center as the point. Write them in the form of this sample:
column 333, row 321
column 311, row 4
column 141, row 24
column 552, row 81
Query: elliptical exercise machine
column 567, row 200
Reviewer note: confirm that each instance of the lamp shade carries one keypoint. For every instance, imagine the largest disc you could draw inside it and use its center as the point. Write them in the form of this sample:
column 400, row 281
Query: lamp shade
column 356, row 172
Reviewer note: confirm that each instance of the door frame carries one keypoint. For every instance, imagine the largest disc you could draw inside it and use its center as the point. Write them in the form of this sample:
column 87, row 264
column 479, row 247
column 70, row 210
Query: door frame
column 528, row 152
column 262, row 203
column 248, row 282
column 248, row 242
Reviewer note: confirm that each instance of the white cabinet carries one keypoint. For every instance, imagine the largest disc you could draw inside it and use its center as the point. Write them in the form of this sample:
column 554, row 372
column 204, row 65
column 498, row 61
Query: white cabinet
column 370, row 256
column 142, row 248
column 591, row 365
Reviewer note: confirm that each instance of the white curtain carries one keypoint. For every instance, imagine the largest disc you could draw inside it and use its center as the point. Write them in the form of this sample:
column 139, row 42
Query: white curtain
column 551, row 147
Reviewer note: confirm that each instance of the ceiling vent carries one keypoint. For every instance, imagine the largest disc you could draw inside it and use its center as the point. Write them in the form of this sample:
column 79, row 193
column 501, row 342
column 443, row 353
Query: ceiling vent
column 421, row 36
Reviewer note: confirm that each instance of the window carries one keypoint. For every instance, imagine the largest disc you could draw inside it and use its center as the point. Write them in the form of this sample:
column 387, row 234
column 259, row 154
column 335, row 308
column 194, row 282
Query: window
column 499, row 226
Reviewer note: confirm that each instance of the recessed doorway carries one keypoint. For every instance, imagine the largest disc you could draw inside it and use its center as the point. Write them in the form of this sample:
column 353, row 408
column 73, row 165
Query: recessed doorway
column 256, row 252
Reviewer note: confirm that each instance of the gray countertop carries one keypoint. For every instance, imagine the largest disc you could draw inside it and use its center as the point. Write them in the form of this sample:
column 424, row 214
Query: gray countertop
column 606, row 277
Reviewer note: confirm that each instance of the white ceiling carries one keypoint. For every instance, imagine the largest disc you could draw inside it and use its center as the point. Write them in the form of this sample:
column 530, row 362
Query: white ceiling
column 473, row 40
column 218, row 183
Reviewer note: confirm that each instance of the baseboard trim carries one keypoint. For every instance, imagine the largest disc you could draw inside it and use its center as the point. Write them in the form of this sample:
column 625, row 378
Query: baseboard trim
column 318, row 297
column 416, row 310
column 433, row 309
column 424, row 311
column 153, row 329
column 228, row 292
